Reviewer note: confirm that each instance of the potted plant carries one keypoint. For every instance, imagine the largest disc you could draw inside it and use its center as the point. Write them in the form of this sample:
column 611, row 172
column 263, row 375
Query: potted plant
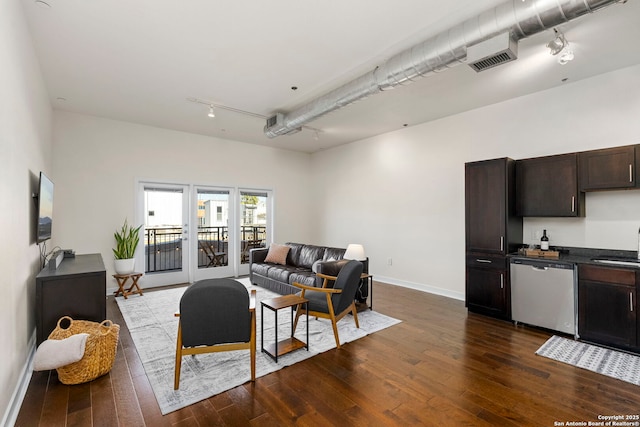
column 127, row 239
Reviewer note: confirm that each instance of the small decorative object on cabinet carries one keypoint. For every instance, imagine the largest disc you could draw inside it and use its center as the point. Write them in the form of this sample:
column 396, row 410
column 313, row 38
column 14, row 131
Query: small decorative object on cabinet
column 127, row 239
column 492, row 231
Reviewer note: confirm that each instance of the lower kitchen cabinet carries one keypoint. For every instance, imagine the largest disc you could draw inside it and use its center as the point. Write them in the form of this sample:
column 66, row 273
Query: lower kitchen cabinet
column 607, row 306
column 487, row 287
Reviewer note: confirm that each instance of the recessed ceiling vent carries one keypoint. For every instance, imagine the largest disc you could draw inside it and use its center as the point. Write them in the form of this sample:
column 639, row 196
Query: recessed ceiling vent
column 493, row 52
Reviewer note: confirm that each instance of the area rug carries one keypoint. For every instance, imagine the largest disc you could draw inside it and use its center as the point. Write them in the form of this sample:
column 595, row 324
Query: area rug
column 615, row 364
column 153, row 327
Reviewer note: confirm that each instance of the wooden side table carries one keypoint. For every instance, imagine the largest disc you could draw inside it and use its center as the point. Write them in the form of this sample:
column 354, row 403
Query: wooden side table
column 122, row 280
column 286, row 345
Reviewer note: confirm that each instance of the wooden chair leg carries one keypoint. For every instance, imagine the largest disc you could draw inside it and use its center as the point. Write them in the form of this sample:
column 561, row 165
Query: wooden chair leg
column 334, row 323
column 299, row 311
column 176, row 379
column 252, row 347
column 354, row 311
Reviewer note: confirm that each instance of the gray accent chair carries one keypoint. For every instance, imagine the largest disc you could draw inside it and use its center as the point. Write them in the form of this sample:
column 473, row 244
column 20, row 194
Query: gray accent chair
column 216, row 315
column 335, row 302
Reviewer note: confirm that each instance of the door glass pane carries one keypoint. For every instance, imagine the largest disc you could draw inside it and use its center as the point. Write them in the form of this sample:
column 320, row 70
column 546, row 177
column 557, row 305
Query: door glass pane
column 253, row 222
column 213, row 228
column 163, row 229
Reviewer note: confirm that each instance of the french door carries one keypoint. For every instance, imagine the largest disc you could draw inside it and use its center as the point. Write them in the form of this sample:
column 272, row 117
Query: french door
column 255, row 224
column 164, row 213
column 195, row 232
column 213, row 218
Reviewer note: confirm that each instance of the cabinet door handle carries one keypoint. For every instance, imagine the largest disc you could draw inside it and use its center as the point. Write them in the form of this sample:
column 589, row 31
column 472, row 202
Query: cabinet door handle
column 485, row 261
column 573, row 203
column 630, row 173
column 631, row 301
column 501, row 243
column 501, row 281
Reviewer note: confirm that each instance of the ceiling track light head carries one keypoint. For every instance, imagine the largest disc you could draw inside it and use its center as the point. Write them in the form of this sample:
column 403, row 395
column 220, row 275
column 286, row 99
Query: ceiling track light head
column 558, row 43
column 560, row 46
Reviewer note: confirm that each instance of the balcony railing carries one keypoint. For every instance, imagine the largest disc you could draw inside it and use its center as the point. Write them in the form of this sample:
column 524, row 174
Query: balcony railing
column 163, row 246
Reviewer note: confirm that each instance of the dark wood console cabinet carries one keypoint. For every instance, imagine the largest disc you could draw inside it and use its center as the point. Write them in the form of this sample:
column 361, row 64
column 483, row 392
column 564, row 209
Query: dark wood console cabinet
column 77, row 288
column 492, row 230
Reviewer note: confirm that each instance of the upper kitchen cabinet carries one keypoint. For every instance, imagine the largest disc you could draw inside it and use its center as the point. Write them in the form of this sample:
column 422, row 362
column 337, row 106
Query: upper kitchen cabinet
column 491, row 224
column 608, row 169
column 548, row 187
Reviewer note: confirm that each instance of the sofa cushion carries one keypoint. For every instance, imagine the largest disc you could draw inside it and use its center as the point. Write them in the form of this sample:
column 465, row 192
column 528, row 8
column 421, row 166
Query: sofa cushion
column 333, row 254
column 294, row 253
column 280, row 273
column 260, row 269
column 303, row 277
column 277, row 254
column 308, row 255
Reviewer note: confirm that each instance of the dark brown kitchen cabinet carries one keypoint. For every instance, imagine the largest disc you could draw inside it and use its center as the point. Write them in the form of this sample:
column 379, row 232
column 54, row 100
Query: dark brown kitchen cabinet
column 548, row 187
column 491, row 226
column 488, row 290
column 492, row 230
column 607, row 306
column 608, row 169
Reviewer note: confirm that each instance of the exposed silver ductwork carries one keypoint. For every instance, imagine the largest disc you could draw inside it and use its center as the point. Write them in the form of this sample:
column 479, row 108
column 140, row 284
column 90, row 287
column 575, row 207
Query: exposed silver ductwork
column 518, row 18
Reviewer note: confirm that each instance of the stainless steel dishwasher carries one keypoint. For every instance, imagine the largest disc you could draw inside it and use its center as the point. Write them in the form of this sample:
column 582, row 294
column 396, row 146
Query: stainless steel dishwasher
column 543, row 293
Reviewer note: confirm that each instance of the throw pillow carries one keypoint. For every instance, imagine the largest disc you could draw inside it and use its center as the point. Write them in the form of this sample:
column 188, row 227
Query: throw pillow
column 277, row 254
column 314, row 266
column 53, row 354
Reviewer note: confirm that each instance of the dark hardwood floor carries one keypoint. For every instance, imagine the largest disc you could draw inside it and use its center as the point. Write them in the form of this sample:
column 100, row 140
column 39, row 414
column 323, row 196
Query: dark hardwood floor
column 440, row 366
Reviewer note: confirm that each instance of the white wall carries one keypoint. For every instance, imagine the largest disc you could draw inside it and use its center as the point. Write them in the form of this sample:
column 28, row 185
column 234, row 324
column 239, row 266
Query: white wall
column 25, row 139
column 402, row 193
column 97, row 161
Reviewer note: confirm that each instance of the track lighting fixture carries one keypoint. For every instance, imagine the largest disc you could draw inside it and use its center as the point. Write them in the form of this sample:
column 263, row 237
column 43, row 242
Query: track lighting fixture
column 211, row 114
column 560, row 46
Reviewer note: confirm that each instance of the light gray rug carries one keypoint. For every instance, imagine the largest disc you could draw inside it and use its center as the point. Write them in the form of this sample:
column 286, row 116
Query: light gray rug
column 153, row 327
column 615, row 364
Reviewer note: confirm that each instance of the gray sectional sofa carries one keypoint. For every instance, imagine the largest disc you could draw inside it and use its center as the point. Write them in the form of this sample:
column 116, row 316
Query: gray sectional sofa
column 300, row 259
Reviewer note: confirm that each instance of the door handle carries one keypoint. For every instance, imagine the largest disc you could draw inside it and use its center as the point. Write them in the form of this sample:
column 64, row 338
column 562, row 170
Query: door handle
column 501, row 243
column 573, row 203
column 484, row 261
column 539, row 268
column 631, row 301
column 501, row 281
column 630, row 173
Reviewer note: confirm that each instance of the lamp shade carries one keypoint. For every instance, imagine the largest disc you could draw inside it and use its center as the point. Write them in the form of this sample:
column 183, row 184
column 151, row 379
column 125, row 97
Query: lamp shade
column 355, row 251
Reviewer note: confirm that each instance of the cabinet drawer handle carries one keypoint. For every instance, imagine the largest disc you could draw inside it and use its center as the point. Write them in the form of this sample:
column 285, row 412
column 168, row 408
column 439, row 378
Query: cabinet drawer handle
column 573, row 203
column 485, row 261
column 631, row 302
column 630, row 173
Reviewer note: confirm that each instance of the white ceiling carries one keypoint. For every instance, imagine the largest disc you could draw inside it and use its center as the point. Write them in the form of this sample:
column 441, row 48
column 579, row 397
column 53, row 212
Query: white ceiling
column 141, row 60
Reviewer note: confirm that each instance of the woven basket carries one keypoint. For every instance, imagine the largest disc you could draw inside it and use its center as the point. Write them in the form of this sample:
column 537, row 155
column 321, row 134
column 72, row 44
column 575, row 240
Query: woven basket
column 100, row 349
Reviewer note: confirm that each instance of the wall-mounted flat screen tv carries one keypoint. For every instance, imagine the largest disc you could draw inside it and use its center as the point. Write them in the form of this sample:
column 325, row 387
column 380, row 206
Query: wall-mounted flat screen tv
column 45, row 208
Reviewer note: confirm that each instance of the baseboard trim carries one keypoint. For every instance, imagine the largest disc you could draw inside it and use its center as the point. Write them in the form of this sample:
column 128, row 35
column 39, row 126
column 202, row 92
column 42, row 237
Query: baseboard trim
column 11, row 414
column 420, row 287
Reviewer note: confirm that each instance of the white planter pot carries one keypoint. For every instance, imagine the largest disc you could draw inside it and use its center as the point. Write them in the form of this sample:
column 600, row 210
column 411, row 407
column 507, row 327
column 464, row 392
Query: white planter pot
column 124, row 266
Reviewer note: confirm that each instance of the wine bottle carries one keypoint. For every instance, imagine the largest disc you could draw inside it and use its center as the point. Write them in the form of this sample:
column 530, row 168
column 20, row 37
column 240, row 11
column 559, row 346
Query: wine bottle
column 544, row 241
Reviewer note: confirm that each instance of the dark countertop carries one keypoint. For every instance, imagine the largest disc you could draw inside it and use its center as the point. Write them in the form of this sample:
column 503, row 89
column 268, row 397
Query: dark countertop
column 576, row 255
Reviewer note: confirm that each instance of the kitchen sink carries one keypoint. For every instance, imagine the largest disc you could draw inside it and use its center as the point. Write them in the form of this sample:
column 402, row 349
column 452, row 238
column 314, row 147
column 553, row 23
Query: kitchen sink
column 629, row 262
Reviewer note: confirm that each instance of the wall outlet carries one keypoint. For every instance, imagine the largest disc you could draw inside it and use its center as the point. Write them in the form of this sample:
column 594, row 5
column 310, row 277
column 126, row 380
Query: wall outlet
column 389, row 261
